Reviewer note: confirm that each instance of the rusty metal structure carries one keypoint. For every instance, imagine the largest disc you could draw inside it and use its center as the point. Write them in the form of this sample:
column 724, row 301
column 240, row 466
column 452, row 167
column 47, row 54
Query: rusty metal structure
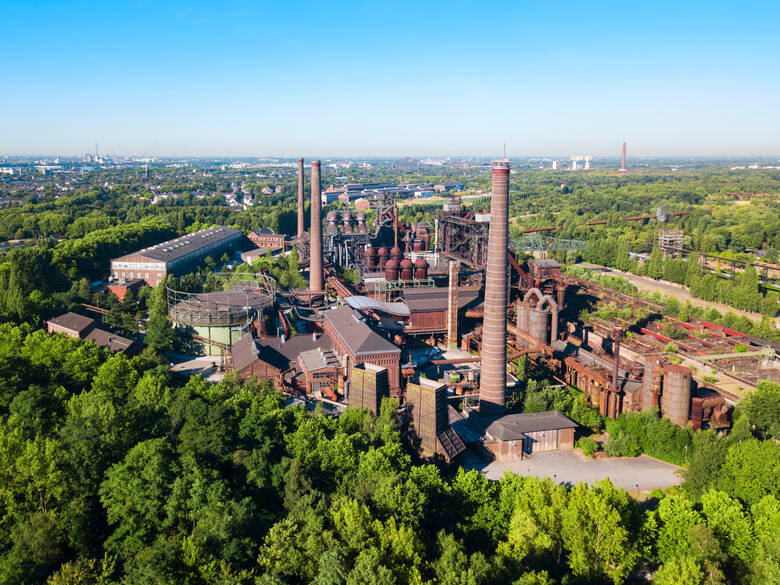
column 492, row 387
column 315, row 245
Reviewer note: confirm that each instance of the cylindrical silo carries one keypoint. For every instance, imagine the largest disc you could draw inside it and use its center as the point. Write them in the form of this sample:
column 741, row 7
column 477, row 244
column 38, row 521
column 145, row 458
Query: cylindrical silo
column 370, row 257
column 676, row 395
column 407, row 269
column 392, row 268
column 539, row 322
column 420, row 269
column 383, row 254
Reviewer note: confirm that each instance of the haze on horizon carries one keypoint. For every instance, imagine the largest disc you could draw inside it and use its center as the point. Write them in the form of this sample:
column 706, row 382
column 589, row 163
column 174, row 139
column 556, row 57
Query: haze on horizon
column 401, row 79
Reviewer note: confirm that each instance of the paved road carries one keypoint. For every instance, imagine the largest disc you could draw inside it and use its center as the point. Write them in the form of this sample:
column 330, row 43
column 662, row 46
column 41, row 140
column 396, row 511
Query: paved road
column 671, row 289
column 571, row 467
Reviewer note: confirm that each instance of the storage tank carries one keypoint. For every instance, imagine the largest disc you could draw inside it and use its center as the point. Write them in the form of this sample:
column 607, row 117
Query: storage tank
column 407, row 269
column 523, row 316
column 676, row 395
column 391, row 269
column 417, row 246
column 369, row 257
column 382, row 256
column 420, row 269
column 539, row 322
column 346, row 219
column 360, row 217
column 396, row 254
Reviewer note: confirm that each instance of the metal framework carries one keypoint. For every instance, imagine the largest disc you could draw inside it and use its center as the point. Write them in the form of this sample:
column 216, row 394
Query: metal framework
column 216, row 309
column 384, row 288
column 540, row 243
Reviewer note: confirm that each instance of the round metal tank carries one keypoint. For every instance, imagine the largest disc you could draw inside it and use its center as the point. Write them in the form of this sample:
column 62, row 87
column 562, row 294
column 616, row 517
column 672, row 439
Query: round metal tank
column 370, row 257
column 395, row 253
column 382, row 255
column 539, row 322
column 332, row 218
column 417, row 246
column 407, row 269
column 676, row 395
column 391, row 269
column 420, row 269
column 523, row 317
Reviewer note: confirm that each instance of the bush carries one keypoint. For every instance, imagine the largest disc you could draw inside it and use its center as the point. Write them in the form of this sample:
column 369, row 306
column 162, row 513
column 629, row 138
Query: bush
column 588, row 446
column 622, row 445
column 671, row 348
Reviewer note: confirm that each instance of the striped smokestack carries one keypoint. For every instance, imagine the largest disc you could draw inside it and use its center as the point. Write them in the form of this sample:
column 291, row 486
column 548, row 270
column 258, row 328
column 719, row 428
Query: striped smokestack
column 492, row 387
column 315, row 245
column 301, row 200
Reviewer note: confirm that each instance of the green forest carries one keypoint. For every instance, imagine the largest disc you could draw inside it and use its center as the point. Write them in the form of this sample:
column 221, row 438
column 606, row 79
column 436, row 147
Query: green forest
column 112, row 471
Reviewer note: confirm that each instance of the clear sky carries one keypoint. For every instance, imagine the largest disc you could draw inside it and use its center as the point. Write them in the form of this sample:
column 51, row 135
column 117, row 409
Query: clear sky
column 390, row 78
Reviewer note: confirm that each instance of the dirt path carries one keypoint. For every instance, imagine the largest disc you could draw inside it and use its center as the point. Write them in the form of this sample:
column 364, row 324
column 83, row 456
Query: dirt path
column 672, row 289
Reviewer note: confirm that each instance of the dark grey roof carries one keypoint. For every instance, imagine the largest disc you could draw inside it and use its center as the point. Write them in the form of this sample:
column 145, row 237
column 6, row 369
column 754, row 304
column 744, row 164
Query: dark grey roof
column 73, row 322
column 437, row 298
column 244, row 352
column 184, row 245
column 356, row 333
column 113, row 342
column 274, row 351
column 317, row 359
column 512, row 427
column 265, row 231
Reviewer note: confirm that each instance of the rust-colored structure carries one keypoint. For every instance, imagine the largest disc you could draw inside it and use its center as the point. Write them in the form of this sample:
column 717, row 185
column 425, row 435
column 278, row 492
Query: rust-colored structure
column 301, row 200
column 315, row 246
column 492, row 387
column 452, row 307
column 369, row 384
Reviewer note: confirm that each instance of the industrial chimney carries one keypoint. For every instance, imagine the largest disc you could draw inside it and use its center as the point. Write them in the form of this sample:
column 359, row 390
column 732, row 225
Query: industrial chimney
column 315, row 245
column 492, row 388
column 623, row 159
column 301, row 201
column 452, row 307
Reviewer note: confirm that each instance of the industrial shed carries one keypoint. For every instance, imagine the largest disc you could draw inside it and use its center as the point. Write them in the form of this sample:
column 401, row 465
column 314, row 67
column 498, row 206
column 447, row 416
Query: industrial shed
column 513, row 436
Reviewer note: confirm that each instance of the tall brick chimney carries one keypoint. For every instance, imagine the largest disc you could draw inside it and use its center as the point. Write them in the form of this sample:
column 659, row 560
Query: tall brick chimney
column 315, row 244
column 492, row 387
column 301, row 200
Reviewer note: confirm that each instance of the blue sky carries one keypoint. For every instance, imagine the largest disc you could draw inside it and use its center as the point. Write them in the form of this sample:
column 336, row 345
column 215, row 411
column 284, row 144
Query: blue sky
column 390, row 78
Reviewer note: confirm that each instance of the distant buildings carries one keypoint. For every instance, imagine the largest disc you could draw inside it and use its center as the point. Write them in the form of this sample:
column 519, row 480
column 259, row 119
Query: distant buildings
column 174, row 257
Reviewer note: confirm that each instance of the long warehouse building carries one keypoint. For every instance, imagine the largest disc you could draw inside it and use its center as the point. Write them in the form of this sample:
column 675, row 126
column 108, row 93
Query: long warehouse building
column 175, row 257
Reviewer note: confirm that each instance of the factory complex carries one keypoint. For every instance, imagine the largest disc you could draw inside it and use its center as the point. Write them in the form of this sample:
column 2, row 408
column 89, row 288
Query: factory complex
column 438, row 317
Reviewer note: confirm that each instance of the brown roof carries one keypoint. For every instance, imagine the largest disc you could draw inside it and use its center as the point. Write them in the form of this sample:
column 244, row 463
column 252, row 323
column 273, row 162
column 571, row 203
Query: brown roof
column 73, row 322
column 355, row 332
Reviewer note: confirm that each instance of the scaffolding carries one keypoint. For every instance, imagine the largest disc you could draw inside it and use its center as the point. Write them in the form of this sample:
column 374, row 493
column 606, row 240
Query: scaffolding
column 384, row 289
column 216, row 309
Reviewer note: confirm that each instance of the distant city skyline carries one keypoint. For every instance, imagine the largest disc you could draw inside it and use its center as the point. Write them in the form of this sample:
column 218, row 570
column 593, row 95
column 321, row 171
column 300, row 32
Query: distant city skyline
column 362, row 79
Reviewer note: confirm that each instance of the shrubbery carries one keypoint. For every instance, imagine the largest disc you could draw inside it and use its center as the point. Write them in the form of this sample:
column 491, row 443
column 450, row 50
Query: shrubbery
column 588, row 445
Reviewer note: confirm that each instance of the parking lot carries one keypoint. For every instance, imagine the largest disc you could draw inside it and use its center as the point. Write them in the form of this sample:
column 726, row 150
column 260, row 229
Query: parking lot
column 640, row 474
